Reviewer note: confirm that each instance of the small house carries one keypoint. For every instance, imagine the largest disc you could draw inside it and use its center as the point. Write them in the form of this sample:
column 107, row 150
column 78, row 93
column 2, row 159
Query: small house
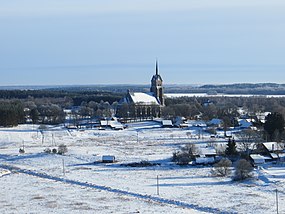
column 181, row 122
column 104, row 123
column 272, row 147
column 108, row 159
column 215, row 122
column 258, row 159
column 205, row 155
column 197, row 123
column 205, row 160
column 207, row 152
column 272, row 150
column 167, row 123
column 245, row 123
column 116, row 125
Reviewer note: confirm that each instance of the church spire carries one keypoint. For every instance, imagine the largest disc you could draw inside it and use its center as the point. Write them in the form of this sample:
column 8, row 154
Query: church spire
column 156, row 67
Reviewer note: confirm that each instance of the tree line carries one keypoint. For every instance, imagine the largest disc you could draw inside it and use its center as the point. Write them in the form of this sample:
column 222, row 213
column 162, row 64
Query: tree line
column 47, row 106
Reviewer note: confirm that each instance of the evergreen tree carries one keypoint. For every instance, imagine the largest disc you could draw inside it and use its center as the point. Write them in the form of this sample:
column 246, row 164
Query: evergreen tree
column 231, row 149
column 34, row 115
column 274, row 125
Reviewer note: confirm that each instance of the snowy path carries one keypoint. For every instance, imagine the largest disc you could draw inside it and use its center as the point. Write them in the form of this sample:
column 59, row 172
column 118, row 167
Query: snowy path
column 113, row 190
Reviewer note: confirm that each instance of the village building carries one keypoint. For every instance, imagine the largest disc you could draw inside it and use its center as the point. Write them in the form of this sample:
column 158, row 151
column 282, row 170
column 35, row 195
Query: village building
column 181, row 122
column 205, row 155
column 166, row 123
column 268, row 152
column 139, row 105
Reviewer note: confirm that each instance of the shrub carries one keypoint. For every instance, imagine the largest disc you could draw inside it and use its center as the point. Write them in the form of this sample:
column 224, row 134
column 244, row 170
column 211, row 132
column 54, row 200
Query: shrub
column 47, row 150
column 141, row 164
column 243, row 170
column 54, row 150
column 62, row 149
column 181, row 158
column 186, row 154
column 222, row 168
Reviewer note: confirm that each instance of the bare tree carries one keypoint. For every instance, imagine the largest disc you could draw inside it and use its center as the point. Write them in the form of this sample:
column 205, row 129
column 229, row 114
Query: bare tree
column 222, row 168
column 248, row 140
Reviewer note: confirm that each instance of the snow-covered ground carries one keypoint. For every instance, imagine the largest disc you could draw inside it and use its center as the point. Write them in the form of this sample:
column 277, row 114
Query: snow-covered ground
column 37, row 182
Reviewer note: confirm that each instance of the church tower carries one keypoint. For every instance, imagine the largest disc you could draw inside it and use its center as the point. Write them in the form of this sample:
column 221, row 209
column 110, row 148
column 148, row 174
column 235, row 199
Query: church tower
column 156, row 86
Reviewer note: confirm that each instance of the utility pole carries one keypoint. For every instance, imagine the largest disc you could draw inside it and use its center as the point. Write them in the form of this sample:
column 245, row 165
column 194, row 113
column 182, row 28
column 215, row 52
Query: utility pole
column 53, row 140
column 137, row 136
column 43, row 137
column 63, row 169
column 277, row 211
column 157, row 185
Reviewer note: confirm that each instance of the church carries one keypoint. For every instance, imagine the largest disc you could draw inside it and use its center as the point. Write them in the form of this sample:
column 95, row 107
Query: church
column 139, row 105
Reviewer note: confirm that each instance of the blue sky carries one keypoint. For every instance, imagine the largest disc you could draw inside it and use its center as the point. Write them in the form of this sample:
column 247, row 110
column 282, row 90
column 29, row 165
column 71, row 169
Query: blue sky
column 67, row 42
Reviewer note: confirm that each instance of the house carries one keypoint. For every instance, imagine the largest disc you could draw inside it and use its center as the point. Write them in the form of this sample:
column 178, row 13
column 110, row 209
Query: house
column 215, row 122
column 181, row 122
column 116, row 125
column 245, row 123
column 197, row 123
column 207, row 151
column 258, row 159
column 262, row 115
column 104, row 123
column 272, row 147
column 108, row 159
column 208, row 103
column 271, row 150
column 204, row 160
column 205, row 155
column 167, row 123
column 112, row 123
column 242, row 111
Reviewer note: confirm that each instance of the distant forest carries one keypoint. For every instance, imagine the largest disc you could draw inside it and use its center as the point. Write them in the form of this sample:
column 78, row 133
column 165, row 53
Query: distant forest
column 240, row 88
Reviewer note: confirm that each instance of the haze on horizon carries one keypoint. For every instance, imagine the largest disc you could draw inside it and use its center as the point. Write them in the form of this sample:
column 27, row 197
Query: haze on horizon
column 71, row 42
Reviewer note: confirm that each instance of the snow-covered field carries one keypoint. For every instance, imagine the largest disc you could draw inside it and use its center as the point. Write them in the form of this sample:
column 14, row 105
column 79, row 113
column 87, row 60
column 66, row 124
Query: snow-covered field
column 37, row 182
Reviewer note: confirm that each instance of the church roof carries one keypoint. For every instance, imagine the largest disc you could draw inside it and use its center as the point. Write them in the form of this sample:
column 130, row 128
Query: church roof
column 143, row 98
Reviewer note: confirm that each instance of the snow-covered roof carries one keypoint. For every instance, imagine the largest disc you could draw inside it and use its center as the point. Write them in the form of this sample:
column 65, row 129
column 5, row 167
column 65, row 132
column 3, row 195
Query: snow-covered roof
column 244, row 123
column 166, row 123
column 116, row 124
column 181, row 122
column 207, row 151
column 272, row 146
column 215, row 121
column 103, row 122
column 258, row 159
column 281, row 154
column 273, row 155
column 143, row 98
column 205, row 160
column 197, row 123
